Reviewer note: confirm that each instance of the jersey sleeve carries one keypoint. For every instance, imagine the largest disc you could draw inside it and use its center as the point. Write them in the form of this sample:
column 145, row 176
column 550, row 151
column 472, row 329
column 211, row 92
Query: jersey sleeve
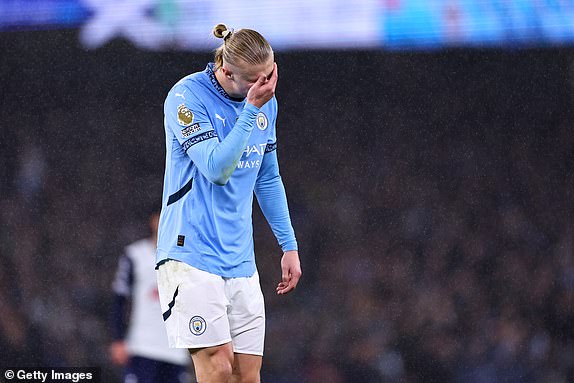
column 271, row 196
column 189, row 121
column 272, row 139
column 122, row 287
column 187, row 118
column 124, row 279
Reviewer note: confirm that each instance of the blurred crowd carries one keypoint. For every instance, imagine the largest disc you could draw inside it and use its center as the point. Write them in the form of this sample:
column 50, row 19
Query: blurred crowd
column 437, row 246
column 460, row 270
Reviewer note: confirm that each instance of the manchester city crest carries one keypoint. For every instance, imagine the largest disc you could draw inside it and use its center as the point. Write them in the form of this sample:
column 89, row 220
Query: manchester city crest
column 184, row 115
column 197, row 325
column 262, row 121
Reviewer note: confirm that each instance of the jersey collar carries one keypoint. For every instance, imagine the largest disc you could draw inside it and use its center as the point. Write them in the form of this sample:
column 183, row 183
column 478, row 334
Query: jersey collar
column 209, row 70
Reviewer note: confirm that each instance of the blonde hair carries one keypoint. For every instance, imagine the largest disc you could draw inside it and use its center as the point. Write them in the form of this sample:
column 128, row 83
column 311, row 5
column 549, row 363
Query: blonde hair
column 244, row 45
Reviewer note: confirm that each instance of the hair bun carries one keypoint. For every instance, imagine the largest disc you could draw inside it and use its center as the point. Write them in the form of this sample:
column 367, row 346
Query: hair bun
column 219, row 30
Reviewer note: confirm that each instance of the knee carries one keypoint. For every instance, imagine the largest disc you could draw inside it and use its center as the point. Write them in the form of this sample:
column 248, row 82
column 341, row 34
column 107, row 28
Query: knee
column 213, row 365
column 221, row 368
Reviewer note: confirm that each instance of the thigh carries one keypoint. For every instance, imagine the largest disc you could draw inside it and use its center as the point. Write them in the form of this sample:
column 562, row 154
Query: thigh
column 140, row 370
column 246, row 315
column 194, row 306
column 246, row 368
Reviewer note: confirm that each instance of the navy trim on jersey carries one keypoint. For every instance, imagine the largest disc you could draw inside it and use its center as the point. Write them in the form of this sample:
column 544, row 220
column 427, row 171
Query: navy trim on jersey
column 118, row 318
column 123, row 285
column 270, row 147
column 167, row 314
column 197, row 139
column 211, row 74
column 180, row 193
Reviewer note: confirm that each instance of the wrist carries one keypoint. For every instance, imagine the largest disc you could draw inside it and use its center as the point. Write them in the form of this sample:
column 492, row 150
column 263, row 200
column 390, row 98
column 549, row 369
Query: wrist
column 251, row 107
column 290, row 245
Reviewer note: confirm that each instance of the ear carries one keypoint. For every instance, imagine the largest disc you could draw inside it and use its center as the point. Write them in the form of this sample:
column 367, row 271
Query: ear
column 227, row 72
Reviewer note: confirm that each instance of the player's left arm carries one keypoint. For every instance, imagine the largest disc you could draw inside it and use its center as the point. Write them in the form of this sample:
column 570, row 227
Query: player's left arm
column 272, row 199
column 122, row 287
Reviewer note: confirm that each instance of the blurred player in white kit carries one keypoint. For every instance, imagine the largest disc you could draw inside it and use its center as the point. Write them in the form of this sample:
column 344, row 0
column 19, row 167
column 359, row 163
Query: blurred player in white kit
column 141, row 346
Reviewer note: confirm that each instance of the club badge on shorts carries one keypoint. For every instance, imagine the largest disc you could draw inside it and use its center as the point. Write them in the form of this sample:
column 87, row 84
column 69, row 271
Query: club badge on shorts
column 197, row 325
column 262, row 121
column 184, row 115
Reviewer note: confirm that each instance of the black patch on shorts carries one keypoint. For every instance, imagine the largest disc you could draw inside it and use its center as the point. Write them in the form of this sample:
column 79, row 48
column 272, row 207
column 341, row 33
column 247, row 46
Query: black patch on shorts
column 167, row 314
column 180, row 240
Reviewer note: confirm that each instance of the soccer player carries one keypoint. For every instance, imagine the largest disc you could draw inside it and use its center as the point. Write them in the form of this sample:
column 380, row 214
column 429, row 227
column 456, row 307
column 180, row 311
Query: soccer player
column 220, row 149
column 144, row 349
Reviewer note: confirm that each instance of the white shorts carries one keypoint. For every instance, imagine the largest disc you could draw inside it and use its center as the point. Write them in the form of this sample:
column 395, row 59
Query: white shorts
column 201, row 309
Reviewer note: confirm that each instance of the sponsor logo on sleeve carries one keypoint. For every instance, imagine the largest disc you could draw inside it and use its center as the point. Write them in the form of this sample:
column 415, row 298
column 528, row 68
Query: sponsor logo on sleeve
column 188, row 131
column 184, row 115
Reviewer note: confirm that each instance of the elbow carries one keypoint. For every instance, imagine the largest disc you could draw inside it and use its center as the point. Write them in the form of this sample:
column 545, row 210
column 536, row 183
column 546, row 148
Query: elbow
column 220, row 175
column 219, row 179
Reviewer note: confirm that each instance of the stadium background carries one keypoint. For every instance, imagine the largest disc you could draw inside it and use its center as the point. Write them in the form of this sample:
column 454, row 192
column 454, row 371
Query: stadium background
column 429, row 179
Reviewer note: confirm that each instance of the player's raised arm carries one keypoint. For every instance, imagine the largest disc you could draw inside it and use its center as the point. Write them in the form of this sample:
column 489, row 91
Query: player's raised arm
column 244, row 72
column 197, row 137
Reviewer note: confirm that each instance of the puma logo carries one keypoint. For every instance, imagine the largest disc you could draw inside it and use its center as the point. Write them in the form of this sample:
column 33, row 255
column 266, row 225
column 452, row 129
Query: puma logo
column 220, row 118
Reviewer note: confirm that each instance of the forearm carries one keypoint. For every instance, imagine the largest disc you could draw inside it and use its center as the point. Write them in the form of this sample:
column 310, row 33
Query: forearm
column 118, row 317
column 218, row 161
column 272, row 199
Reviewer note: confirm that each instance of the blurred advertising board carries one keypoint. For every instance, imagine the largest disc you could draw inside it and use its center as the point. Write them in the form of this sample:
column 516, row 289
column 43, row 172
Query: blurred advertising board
column 302, row 24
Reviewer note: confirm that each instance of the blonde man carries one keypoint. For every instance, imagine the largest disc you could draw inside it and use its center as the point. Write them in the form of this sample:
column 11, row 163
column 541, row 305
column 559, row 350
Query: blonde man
column 221, row 149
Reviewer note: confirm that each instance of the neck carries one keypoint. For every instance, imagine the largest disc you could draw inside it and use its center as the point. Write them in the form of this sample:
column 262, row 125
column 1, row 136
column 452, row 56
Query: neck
column 224, row 82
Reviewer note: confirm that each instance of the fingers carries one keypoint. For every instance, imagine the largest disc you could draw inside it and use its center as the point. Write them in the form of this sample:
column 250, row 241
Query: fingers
column 282, row 287
column 290, row 272
column 289, row 283
column 270, row 81
column 261, row 80
column 274, row 75
column 285, row 287
column 273, row 79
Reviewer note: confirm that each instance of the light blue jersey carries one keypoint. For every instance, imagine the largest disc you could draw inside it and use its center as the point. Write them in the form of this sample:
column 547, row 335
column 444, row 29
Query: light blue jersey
column 219, row 151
